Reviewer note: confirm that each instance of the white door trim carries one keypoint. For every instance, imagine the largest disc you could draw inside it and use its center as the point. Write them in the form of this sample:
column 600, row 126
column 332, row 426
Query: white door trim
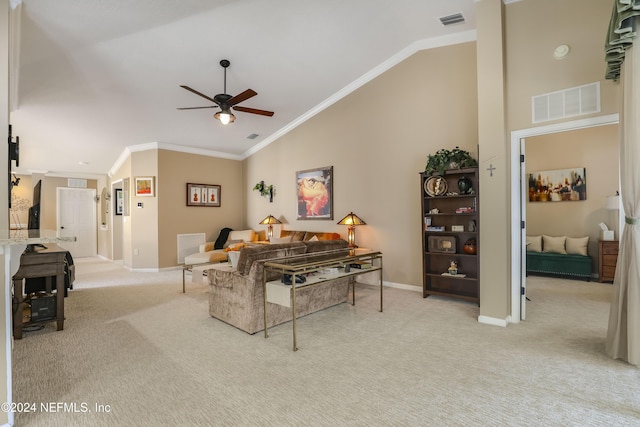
column 516, row 193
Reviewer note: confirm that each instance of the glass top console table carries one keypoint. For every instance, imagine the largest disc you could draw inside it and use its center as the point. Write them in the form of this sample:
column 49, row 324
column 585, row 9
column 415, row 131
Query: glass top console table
column 316, row 272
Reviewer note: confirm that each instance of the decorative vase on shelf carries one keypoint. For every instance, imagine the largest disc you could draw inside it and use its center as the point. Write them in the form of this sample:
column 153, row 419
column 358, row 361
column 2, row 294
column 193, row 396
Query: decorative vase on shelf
column 464, row 185
column 470, row 247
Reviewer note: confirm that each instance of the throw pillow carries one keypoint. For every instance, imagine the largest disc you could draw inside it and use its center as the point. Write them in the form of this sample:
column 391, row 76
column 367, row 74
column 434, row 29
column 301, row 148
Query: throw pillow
column 577, row 245
column 275, row 240
column 534, row 243
column 314, row 239
column 553, row 244
column 234, row 247
column 231, row 242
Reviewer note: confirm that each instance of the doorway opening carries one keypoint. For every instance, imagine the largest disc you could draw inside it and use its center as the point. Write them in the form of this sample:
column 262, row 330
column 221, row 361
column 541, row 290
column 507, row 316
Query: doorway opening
column 519, row 195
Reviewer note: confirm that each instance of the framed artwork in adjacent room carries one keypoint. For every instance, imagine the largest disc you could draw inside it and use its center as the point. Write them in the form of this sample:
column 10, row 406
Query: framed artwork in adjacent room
column 119, row 201
column 144, row 186
column 315, row 193
column 558, row 185
column 203, row 194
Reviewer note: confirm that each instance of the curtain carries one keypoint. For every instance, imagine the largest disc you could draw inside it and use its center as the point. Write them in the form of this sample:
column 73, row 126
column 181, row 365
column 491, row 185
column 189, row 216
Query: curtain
column 622, row 31
column 623, row 336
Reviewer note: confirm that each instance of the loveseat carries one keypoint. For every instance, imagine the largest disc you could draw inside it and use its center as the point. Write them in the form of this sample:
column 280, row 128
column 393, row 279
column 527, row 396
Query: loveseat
column 561, row 255
column 236, row 294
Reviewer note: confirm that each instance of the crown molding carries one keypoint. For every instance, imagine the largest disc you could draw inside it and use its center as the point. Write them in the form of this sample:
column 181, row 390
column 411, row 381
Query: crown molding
column 166, row 146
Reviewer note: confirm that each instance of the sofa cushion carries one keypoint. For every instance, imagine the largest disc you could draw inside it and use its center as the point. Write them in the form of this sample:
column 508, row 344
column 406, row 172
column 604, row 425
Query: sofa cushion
column 553, row 244
column 244, row 235
column 321, row 236
column 217, row 255
column 275, row 240
column 230, row 242
column 577, row 245
column 296, row 236
column 325, row 245
column 534, row 243
column 251, row 254
column 209, row 246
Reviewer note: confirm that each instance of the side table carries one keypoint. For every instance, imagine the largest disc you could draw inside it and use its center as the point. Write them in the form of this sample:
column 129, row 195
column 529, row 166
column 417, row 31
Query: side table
column 607, row 259
column 46, row 263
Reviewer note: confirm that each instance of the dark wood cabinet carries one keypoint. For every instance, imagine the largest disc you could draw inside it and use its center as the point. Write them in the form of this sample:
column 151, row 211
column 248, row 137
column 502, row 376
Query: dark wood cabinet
column 607, row 259
column 450, row 219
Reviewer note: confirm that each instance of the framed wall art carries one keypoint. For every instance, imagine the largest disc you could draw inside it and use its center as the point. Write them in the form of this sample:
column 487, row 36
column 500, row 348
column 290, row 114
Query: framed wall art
column 144, row 186
column 203, row 195
column 315, row 193
column 558, row 185
column 119, row 202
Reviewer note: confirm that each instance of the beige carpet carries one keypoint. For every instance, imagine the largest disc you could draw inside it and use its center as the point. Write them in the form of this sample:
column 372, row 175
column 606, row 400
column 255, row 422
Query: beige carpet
column 155, row 357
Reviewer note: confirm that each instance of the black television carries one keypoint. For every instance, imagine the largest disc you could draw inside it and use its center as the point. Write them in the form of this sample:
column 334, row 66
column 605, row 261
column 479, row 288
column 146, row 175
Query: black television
column 34, row 210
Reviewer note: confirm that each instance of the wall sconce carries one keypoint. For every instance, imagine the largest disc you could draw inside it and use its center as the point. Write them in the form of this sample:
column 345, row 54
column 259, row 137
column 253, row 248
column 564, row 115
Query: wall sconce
column 15, row 181
column 269, row 221
column 352, row 220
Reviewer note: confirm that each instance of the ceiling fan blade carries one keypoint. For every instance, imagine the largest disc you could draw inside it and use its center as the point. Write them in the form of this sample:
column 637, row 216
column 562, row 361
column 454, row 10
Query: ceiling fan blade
column 196, row 108
column 198, row 93
column 242, row 97
column 254, row 111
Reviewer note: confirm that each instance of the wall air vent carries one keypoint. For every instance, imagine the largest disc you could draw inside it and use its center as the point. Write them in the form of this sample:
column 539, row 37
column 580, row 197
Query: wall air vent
column 452, row 19
column 575, row 101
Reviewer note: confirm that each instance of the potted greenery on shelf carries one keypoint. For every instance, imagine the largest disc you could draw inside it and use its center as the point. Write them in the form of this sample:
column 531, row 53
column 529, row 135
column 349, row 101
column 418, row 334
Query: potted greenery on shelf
column 445, row 159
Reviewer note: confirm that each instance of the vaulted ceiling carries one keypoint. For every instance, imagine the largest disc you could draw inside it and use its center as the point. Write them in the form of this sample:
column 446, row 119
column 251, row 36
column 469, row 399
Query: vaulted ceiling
column 95, row 77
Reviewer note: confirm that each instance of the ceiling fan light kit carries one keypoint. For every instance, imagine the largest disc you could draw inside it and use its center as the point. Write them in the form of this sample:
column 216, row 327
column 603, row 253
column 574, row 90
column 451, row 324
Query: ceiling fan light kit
column 225, row 117
column 225, row 101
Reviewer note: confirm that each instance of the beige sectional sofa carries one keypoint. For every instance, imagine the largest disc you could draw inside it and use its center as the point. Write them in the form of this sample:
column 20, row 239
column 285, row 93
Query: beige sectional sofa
column 236, row 295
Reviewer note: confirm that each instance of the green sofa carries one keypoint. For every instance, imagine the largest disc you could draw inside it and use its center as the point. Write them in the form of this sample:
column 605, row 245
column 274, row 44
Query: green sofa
column 578, row 266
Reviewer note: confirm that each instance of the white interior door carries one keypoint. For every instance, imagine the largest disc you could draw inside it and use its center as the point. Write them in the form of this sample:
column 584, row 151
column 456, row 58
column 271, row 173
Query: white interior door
column 76, row 216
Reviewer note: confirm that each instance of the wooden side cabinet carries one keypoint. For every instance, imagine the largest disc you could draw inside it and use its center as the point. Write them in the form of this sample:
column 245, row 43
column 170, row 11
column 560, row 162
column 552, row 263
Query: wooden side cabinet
column 607, row 259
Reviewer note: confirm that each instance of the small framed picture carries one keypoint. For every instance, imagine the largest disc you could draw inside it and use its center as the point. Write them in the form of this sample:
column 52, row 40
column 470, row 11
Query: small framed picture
column 119, row 210
column 144, row 186
column 203, row 195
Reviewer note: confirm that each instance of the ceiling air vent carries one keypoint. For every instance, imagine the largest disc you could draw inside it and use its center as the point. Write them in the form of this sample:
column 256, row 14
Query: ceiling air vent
column 252, row 136
column 452, row 19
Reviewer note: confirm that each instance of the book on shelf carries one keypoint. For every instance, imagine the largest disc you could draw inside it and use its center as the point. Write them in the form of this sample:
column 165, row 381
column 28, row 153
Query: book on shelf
column 435, row 228
column 465, row 210
column 361, row 265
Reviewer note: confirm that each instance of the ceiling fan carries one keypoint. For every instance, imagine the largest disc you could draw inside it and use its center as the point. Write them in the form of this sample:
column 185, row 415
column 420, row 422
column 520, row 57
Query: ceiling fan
column 225, row 102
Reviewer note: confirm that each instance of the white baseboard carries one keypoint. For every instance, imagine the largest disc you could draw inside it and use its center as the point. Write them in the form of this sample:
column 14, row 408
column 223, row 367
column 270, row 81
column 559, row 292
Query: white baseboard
column 493, row 321
column 402, row 286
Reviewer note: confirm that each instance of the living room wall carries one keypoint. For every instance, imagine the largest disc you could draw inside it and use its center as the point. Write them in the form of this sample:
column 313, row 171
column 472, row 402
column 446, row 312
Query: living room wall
column 595, row 149
column 175, row 170
column 377, row 139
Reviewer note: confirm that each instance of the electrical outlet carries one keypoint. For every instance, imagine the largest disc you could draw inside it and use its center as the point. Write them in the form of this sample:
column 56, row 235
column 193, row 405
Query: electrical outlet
column 136, row 251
